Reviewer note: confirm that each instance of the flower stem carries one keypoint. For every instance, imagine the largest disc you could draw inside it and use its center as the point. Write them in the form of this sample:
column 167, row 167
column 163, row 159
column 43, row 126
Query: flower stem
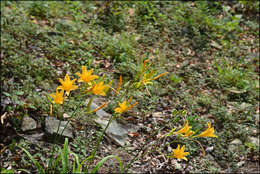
column 56, row 136
column 93, row 153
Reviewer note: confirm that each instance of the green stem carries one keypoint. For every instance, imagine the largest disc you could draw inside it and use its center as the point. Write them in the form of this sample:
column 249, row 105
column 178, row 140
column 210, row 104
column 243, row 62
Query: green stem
column 93, row 153
column 56, row 136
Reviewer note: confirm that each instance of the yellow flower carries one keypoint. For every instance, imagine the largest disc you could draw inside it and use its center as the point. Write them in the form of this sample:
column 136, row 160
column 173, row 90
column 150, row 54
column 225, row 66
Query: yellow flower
column 185, row 129
column 179, row 153
column 188, row 133
column 146, row 80
column 58, row 98
column 119, row 84
column 67, row 85
column 125, row 106
column 99, row 89
column 209, row 132
column 160, row 75
column 86, row 76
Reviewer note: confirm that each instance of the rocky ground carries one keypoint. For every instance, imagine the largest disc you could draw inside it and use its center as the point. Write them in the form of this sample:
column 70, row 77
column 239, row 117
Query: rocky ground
column 211, row 51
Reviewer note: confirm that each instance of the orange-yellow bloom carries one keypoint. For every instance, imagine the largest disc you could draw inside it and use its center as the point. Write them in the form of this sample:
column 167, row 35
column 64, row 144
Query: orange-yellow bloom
column 67, row 84
column 99, row 89
column 100, row 107
column 146, row 80
column 58, row 98
column 125, row 106
column 188, row 133
column 86, row 76
column 179, row 153
column 185, row 129
column 209, row 132
column 119, row 84
column 160, row 75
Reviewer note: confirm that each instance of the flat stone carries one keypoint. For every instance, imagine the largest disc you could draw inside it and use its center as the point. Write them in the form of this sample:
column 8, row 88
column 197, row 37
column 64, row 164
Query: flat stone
column 244, row 106
column 236, row 142
column 34, row 138
column 157, row 114
column 233, row 146
column 28, row 124
column 240, row 164
column 209, row 149
column 52, row 124
column 116, row 131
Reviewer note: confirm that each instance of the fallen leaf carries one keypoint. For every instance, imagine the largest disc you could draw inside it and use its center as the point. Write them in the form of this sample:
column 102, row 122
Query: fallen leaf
column 215, row 44
column 66, row 115
column 3, row 117
column 236, row 91
column 133, row 134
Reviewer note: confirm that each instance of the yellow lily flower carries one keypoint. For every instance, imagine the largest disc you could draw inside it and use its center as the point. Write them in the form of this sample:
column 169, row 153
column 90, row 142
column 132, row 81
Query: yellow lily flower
column 58, row 98
column 146, row 80
column 179, row 153
column 125, row 106
column 188, row 133
column 119, row 84
column 160, row 75
column 86, row 76
column 209, row 132
column 99, row 89
column 67, row 84
column 185, row 129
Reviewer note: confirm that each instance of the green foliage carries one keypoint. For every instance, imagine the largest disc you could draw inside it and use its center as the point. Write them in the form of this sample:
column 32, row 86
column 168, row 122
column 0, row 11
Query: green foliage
column 101, row 162
column 64, row 157
column 36, row 163
column 38, row 9
column 175, row 79
column 111, row 17
column 232, row 75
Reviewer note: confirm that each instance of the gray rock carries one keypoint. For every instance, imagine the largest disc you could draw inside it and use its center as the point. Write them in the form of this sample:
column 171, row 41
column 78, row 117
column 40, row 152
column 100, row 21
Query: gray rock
column 233, row 146
column 34, row 138
column 157, row 114
column 28, row 124
column 52, row 124
column 244, row 106
column 236, row 142
column 169, row 149
column 209, row 149
column 116, row 131
column 240, row 164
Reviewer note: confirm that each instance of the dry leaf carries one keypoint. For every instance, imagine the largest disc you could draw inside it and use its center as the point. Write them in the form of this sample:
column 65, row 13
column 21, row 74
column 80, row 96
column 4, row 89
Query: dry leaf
column 133, row 134
column 3, row 117
column 66, row 115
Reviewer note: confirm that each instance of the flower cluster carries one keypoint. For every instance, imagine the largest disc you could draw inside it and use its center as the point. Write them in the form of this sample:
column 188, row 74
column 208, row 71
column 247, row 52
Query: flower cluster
column 147, row 77
column 187, row 132
column 125, row 106
column 91, row 87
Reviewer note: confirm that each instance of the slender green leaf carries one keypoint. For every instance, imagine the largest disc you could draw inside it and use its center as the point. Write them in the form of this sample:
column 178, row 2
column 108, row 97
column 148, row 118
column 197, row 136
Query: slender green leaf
column 78, row 170
column 36, row 163
column 64, row 157
column 7, row 171
column 100, row 163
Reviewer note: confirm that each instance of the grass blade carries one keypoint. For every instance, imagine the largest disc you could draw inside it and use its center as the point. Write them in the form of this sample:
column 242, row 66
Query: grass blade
column 36, row 163
column 100, row 163
column 64, row 157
